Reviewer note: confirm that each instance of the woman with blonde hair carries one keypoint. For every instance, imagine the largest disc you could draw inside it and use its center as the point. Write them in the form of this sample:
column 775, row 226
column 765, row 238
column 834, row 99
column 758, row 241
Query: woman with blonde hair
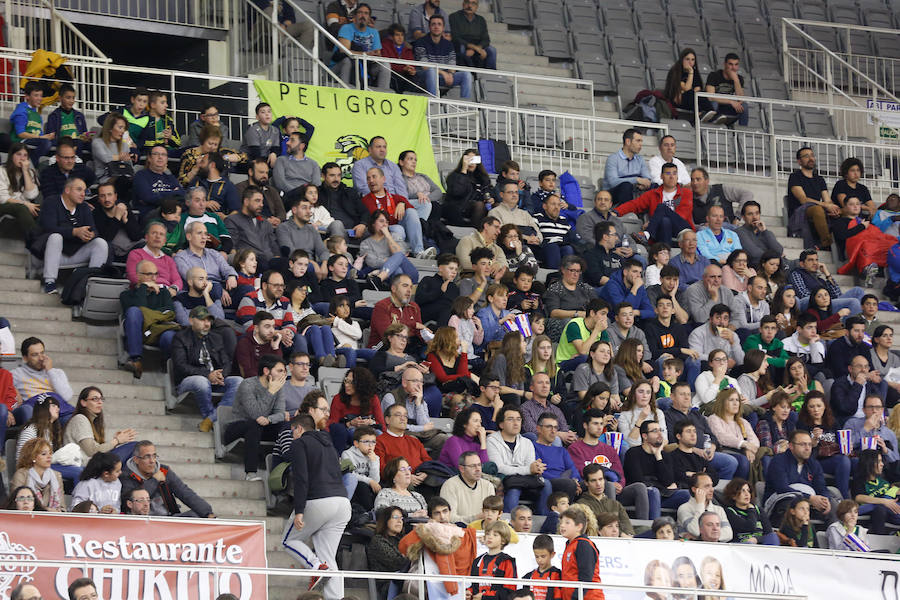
column 640, row 406
column 543, row 360
column 508, row 365
column 734, row 433
column 33, row 470
column 112, row 148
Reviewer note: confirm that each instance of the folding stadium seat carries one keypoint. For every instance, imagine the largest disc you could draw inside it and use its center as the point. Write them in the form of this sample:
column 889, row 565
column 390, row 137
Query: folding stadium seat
column 598, row 71
column 547, row 14
column 888, row 46
column 404, row 7
column 754, row 151
column 652, row 23
column 383, row 12
column 685, row 137
column 720, row 145
column 722, row 47
column 552, row 42
column 771, row 88
column 755, row 122
column 844, row 13
column 876, row 15
column 513, row 12
column 777, row 9
column 590, row 45
column 744, row 9
column 648, row 6
column 686, row 27
column 582, row 16
column 495, row 90
column 632, row 78
column 620, row 23
column 828, row 159
column 719, row 26
column 658, row 76
column 625, row 48
column 784, row 121
column 658, row 48
column 760, row 60
column 755, row 35
column 817, row 123
column 498, row 125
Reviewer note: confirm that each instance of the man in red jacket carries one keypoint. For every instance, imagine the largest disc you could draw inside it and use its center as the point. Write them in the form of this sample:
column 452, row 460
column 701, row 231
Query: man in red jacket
column 399, row 308
column 670, row 208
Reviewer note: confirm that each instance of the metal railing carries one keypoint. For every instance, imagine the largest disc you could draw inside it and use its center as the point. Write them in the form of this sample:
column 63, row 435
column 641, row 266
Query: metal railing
column 324, row 43
column 158, row 570
column 770, row 153
column 821, row 69
column 193, row 13
column 261, row 46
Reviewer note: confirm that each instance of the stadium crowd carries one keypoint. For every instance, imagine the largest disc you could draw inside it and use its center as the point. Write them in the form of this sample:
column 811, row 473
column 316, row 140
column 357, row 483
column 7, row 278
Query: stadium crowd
column 638, row 372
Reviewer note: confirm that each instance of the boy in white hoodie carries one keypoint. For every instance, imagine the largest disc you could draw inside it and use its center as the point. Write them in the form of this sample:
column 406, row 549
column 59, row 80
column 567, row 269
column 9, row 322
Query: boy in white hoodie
column 365, row 468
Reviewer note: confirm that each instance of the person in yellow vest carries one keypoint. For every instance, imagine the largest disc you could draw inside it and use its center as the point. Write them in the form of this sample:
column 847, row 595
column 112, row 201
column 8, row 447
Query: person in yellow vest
column 580, row 333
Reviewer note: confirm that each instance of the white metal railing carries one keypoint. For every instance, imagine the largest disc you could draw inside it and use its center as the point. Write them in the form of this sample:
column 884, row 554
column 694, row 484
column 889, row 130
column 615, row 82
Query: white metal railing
column 821, row 69
column 158, row 570
column 193, row 13
column 261, row 46
column 770, row 153
column 363, row 62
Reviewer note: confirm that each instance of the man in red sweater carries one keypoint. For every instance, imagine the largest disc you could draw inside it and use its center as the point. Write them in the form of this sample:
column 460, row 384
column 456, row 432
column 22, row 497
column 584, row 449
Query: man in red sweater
column 670, row 208
column 394, row 443
column 399, row 307
column 12, row 411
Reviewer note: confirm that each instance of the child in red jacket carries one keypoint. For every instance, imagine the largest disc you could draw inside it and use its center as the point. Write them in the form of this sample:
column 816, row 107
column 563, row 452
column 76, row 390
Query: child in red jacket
column 581, row 559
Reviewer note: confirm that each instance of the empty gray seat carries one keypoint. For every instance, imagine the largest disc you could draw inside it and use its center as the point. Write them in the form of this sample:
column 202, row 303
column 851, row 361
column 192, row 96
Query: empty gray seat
column 621, row 23
column 495, row 90
column 624, row 48
column 845, row 13
column 540, row 130
column 547, row 13
column 876, row 16
column 552, row 43
column 888, row 46
column 589, row 44
column 598, row 71
column 383, row 12
column 785, row 120
column 582, row 16
column 500, row 125
column 754, row 152
column 817, row 123
column 632, row 78
column 513, row 12
column 659, row 52
column 828, row 159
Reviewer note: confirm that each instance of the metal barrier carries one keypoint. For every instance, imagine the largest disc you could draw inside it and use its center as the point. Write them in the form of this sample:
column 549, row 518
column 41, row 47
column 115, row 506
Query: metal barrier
column 194, row 13
column 836, row 74
column 158, row 570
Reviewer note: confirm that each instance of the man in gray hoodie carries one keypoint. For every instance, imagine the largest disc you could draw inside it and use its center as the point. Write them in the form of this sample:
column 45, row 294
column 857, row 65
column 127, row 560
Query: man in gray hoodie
column 37, row 376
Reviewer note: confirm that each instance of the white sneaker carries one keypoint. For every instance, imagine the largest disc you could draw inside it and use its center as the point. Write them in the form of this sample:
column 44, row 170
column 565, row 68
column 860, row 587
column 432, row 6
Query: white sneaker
column 428, row 253
column 254, row 476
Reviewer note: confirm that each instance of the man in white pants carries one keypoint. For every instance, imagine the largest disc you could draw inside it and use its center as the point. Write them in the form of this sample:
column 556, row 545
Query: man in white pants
column 321, row 507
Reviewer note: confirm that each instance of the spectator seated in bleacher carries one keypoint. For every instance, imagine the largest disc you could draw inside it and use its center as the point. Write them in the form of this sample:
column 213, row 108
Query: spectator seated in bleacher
column 888, row 215
column 708, row 453
column 866, row 246
column 115, row 223
column 33, row 469
column 669, row 208
column 666, row 155
column 795, row 473
column 114, row 156
column 717, row 334
column 398, row 442
column 514, row 456
column 849, row 186
column 595, row 498
column 137, row 502
column 756, row 239
column 189, row 171
column 467, row 491
column 436, row 293
column 168, row 276
column 702, row 295
column 258, row 411
column 394, row 45
column 412, row 394
column 209, row 115
column 715, row 242
column 626, row 174
column 249, row 230
column 809, row 274
column 67, row 121
column 809, row 202
column 403, row 218
column 559, row 238
column 518, row 255
column 202, row 363
column 218, row 237
column 627, row 285
column 646, row 463
column 869, row 314
column 19, row 189
column 218, row 271
column 682, row 81
column 586, row 224
column 86, row 428
column 546, row 186
column 468, row 196
column 737, row 271
column 728, row 82
column 668, row 286
column 693, row 514
column 36, row 378
column 667, row 338
column 154, row 182
column 603, row 260
column 421, row 191
column 872, row 489
column 295, row 169
column 144, row 471
column 690, row 263
column 820, row 307
column 359, row 37
column 509, row 213
column 383, row 254
column 259, row 341
column 300, row 233
column 27, row 125
column 338, row 13
column 419, row 16
column 53, row 177
column 848, row 392
column 262, row 139
column 509, row 173
column 394, row 182
column 752, row 305
column 160, row 129
column 149, row 316
column 273, row 209
column 67, row 234
column 436, row 48
column 565, row 299
column 470, row 34
column 706, row 195
column 221, row 194
column 197, row 293
column 399, row 308
column 343, row 203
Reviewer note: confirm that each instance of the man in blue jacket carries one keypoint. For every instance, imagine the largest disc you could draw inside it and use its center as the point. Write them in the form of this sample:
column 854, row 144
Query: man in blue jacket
column 155, row 182
column 796, row 472
column 54, row 177
column 66, row 121
column 627, row 285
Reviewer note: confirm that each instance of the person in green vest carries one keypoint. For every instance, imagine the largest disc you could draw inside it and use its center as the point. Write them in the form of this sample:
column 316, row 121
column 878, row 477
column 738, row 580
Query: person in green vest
column 160, row 129
column 66, row 121
column 136, row 113
column 766, row 341
column 580, row 333
column 27, row 126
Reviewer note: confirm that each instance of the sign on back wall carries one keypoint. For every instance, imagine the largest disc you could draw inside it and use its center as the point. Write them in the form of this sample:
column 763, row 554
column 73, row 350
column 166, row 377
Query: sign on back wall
column 345, row 121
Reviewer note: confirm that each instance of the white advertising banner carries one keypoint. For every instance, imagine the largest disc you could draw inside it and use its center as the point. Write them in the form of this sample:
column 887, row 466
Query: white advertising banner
column 817, row 574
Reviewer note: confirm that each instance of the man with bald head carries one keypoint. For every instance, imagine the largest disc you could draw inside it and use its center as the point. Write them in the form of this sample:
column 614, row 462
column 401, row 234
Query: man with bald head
column 155, row 238
column 690, row 263
column 25, row 591
column 398, row 308
column 68, row 235
column 147, row 293
column 197, row 210
column 403, row 218
column 218, row 271
column 702, row 295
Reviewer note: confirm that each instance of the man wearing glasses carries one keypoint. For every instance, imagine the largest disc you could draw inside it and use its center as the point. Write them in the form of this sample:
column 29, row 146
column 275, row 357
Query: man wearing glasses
column 147, row 294
column 872, row 425
column 465, row 492
column 54, row 177
column 795, row 473
column 138, row 503
column 144, row 471
column 299, row 385
column 717, row 335
column 410, row 395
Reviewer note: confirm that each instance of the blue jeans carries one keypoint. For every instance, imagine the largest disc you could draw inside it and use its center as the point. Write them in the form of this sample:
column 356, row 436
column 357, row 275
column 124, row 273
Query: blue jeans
column 727, row 109
column 460, row 78
column 37, row 147
column 432, row 396
column 572, row 363
column 488, row 62
column 665, row 224
column 321, row 339
column 848, row 299
column 398, row 263
column 352, row 354
column 202, row 390
column 657, row 501
column 70, row 472
column 551, row 255
column 134, row 334
column 423, row 208
column 22, row 415
column 622, row 193
column 512, row 496
column 743, row 468
column 724, row 464
column 410, row 229
column 839, row 467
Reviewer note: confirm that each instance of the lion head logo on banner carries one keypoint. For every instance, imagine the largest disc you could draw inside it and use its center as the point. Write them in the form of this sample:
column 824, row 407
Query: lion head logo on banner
column 355, row 147
column 12, row 571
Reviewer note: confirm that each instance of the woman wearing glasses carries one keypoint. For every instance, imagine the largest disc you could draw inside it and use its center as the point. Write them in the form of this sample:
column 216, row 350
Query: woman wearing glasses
column 22, row 498
column 86, row 428
column 395, row 481
column 383, row 551
column 565, row 299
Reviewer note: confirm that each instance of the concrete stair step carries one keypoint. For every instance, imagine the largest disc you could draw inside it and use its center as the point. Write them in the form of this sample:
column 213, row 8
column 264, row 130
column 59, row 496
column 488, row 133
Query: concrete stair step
column 199, row 471
column 67, row 360
column 101, row 376
column 52, row 327
column 25, row 285
column 12, row 246
column 157, row 422
column 116, row 391
column 225, row 489
column 179, row 455
column 552, row 70
column 522, row 61
column 13, row 259
column 238, row 507
column 31, row 298
column 12, row 272
column 46, row 312
column 128, row 409
column 192, row 440
column 58, row 343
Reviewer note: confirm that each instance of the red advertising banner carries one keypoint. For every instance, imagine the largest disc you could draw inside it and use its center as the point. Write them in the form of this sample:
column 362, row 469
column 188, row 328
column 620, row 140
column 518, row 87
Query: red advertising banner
column 209, row 548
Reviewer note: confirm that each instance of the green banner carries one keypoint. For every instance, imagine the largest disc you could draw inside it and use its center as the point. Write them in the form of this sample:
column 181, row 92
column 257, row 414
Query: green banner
column 345, row 121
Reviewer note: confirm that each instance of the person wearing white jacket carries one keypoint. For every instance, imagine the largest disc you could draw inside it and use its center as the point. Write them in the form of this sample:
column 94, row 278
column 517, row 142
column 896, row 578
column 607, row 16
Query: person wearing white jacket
column 100, row 483
column 514, row 455
column 347, row 332
column 701, row 502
